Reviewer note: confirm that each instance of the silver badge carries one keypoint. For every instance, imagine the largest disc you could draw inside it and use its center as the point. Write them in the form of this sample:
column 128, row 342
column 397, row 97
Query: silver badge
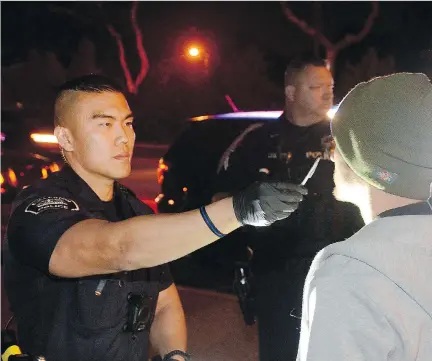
column 51, row 203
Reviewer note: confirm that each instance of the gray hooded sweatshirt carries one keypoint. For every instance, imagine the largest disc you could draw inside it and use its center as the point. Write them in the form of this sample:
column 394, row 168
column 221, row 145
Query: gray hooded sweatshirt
column 370, row 297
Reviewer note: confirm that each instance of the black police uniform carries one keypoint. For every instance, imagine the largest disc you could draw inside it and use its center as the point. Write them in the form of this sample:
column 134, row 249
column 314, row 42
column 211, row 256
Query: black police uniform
column 64, row 319
column 284, row 251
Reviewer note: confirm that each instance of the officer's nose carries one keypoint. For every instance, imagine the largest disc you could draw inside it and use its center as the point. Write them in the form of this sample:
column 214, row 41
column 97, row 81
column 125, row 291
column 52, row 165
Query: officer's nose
column 328, row 93
column 122, row 137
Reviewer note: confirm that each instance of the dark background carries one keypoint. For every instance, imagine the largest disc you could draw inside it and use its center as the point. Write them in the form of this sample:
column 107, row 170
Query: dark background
column 249, row 44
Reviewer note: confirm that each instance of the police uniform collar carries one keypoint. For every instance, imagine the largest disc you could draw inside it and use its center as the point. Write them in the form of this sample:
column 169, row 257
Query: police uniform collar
column 284, row 122
column 81, row 190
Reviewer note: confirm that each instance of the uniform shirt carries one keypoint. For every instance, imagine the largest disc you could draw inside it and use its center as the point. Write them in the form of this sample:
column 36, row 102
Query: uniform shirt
column 278, row 151
column 282, row 151
column 61, row 318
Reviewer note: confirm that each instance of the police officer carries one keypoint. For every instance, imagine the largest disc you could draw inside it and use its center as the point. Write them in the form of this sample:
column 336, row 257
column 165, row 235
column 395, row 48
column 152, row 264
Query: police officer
column 85, row 266
column 286, row 150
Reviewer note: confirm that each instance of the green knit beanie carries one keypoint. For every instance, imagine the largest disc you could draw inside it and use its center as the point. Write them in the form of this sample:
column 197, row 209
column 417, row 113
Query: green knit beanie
column 383, row 129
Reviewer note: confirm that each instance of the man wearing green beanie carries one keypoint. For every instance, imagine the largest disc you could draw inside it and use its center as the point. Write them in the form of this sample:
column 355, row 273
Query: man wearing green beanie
column 370, row 297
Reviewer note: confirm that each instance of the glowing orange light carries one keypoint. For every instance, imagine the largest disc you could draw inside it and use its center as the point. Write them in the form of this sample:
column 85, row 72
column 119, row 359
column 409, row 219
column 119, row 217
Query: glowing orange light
column 1, row 178
column 194, row 52
column 171, row 202
column 12, row 178
column 54, row 167
column 159, row 198
column 162, row 168
column 200, row 118
column 185, row 189
column 44, row 173
column 44, row 138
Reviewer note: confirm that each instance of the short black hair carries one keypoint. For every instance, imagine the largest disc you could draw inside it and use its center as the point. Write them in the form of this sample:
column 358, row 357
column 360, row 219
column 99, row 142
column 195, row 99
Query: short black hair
column 90, row 83
column 299, row 63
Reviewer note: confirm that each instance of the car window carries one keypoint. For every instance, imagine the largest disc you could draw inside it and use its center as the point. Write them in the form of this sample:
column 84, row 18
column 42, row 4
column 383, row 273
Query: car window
column 193, row 160
column 206, row 140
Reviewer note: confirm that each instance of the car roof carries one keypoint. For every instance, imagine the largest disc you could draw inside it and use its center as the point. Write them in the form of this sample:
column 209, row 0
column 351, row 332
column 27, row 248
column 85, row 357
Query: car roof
column 261, row 115
column 17, row 155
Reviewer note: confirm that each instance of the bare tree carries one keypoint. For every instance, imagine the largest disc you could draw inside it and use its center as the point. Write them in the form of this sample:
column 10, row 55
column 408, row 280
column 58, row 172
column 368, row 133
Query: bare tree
column 132, row 85
column 99, row 18
column 332, row 49
column 231, row 103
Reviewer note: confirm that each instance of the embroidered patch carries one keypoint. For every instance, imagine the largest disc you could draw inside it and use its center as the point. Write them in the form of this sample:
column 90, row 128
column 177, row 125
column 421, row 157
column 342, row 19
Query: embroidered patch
column 385, row 176
column 49, row 203
column 328, row 145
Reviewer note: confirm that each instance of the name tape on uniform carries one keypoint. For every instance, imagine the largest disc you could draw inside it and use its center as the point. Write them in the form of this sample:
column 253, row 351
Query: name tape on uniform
column 49, row 203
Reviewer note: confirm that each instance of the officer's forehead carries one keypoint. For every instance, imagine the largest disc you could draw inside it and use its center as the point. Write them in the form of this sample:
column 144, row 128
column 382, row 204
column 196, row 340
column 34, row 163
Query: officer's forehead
column 313, row 73
column 71, row 103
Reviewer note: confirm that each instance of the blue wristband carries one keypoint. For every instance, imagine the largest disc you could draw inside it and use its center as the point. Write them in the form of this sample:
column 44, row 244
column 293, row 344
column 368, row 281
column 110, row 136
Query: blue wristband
column 210, row 223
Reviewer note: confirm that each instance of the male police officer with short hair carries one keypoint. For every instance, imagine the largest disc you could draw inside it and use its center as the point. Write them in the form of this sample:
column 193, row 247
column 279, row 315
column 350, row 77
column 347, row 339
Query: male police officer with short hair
column 85, row 265
column 286, row 150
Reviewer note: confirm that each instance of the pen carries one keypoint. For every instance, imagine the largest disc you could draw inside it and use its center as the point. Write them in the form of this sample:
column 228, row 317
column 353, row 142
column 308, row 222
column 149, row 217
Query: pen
column 311, row 172
column 100, row 287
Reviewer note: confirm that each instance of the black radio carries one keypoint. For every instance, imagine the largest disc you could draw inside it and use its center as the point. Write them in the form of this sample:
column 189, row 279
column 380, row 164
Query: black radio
column 139, row 316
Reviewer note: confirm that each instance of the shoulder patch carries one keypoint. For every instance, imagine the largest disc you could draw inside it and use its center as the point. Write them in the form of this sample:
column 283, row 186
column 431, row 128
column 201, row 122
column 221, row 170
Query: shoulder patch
column 50, row 203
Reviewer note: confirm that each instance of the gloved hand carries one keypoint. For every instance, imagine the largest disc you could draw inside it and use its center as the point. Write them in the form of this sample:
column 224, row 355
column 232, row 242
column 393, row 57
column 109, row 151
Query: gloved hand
column 261, row 204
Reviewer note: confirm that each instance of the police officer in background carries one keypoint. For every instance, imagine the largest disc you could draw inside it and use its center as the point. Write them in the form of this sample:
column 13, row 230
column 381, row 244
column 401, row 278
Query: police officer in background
column 285, row 151
column 85, row 264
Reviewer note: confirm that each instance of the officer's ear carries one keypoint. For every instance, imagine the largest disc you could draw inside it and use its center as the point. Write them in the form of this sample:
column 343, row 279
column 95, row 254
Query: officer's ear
column 64, row 138
column 290, row 92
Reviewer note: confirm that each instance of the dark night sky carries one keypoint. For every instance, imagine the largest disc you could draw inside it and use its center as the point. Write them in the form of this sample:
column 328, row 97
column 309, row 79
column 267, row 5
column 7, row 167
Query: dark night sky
column 402, row 29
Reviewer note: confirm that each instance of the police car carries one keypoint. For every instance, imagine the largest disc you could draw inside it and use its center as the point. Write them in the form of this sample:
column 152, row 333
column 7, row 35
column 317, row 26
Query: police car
column 27, row 155
column 186, row 171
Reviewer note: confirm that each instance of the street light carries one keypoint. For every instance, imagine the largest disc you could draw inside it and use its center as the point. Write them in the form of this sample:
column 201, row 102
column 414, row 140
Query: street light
column 194, row 52
column 196, row 58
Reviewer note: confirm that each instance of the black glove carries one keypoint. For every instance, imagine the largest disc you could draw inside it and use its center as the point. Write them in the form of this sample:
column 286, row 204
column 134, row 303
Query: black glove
column 261, row 204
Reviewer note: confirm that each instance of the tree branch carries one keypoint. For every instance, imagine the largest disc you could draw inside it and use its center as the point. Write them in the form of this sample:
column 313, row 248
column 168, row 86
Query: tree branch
column 132, row 85
column 350, row 38
column 140, row 48
column 305, row 27
column 231, row 103
column 129, row 82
